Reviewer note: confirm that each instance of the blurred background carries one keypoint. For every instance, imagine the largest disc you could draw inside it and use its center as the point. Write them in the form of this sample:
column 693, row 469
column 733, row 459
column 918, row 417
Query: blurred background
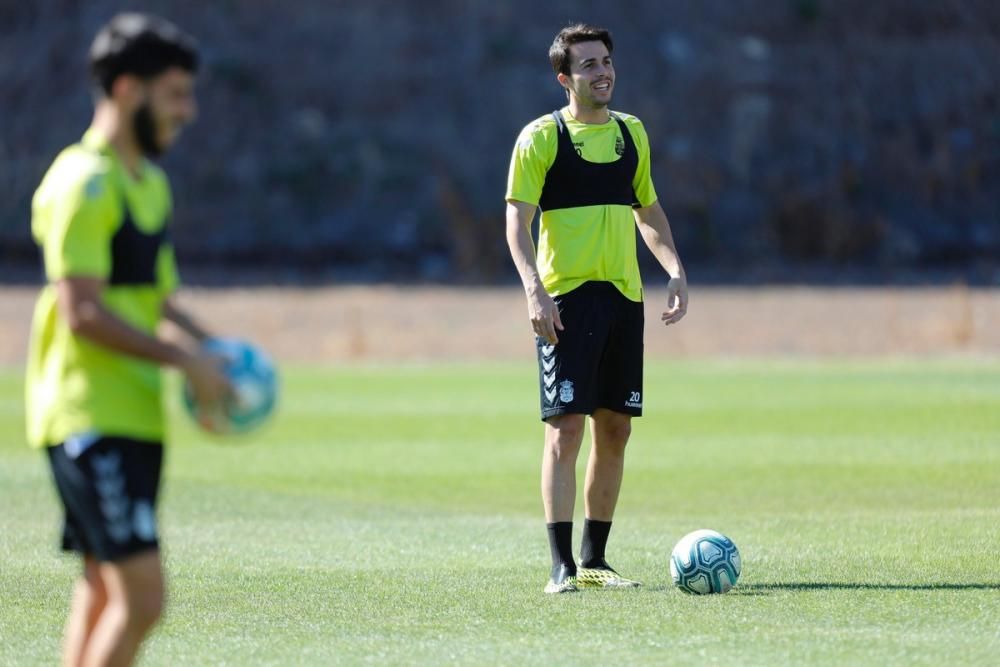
column 794, row 142
column 370, row 140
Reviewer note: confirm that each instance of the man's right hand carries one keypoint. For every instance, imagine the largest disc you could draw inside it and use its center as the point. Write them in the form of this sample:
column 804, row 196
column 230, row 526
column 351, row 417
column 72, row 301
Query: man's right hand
column 544, row 315
column 209, row 384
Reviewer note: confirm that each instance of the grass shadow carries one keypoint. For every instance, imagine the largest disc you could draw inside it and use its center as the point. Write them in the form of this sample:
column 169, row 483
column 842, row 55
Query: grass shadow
column 763, row 588
column 739, row 590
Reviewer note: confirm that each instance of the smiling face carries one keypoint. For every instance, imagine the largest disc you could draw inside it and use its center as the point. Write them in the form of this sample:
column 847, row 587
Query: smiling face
column 159, row 107
column 591, row 78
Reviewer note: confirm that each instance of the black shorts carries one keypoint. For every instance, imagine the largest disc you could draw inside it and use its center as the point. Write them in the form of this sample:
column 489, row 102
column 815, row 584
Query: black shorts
column 598, row 360
column 108, row 487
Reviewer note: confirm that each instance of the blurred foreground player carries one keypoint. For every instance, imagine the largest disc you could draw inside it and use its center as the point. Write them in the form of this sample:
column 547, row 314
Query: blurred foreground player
column 93, row 389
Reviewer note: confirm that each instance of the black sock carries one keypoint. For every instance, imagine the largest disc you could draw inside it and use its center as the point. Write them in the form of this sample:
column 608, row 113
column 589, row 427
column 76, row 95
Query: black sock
column 595, row 540
column 561, row 545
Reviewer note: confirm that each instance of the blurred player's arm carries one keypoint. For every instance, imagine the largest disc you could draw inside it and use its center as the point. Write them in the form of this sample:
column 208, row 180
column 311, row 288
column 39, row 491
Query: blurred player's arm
column 80, row 304
column 542, row 310
column 655, row 231
column 183, row 320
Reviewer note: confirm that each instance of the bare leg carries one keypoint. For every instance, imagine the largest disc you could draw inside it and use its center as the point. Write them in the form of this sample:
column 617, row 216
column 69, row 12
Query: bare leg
column 610, row 432
column 563, row 437
column 89, row 600
column 135, row 595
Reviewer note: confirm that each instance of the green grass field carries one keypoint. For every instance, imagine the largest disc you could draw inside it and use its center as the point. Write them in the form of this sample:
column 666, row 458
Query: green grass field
column 390, row 515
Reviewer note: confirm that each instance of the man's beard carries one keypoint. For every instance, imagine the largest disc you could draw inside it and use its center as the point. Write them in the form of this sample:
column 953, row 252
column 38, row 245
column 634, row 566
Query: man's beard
column 144, row 127
column 594, row 103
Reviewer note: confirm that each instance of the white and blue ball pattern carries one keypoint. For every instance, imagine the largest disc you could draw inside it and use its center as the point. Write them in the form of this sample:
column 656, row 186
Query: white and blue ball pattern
column 255, row 388
column 704, row 562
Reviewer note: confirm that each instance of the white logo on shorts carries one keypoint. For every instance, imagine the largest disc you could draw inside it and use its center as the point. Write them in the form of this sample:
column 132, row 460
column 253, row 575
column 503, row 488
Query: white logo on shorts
column 634, row 400
column 549, row 372
column 566, row 391
column 78, row 443
column 112, row 495
column 144, row 521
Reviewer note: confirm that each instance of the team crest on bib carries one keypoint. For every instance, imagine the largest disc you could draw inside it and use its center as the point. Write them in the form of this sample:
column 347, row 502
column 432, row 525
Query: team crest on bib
column 566, row 391
column 94, row 187
column 620, row 146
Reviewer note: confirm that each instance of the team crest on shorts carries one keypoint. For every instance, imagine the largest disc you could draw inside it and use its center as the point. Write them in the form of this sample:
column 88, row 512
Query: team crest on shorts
column 566, row 391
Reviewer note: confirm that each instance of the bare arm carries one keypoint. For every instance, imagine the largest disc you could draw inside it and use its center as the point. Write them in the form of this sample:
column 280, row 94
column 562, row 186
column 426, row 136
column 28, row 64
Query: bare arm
column 542, row 310
column 80, row 305
column 183, row 320
column 655, row 231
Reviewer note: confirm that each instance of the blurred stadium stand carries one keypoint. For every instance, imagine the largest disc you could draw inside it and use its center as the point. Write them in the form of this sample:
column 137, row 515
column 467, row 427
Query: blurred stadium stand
column 793, row 140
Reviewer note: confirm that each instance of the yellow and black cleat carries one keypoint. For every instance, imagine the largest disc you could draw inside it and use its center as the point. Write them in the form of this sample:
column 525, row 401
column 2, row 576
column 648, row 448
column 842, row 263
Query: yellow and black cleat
column 562, row 581
column 602, row 577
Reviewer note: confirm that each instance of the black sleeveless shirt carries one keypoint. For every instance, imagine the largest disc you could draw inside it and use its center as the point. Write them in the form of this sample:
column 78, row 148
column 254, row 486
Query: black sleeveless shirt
column 134, row 253
column 572, row 182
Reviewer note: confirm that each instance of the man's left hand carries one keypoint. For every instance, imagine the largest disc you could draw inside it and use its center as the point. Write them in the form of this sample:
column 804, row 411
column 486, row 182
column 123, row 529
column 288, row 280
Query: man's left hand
column 677, row 300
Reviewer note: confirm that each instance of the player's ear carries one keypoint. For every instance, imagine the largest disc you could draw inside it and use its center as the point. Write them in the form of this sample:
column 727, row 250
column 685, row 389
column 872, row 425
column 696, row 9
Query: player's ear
column 127, row 90
column 563, row 80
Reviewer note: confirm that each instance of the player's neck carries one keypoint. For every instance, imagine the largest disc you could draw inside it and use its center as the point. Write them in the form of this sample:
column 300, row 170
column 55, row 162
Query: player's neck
column 108, row 123
column 587, row 114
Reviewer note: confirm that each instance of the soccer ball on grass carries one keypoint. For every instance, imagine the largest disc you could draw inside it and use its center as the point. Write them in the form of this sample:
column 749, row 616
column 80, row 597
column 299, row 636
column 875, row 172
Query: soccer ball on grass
column 705, row 562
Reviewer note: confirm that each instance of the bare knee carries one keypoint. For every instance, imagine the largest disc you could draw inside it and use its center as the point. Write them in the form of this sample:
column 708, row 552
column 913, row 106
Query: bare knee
column 612, row 430
column 145, row 608
column 90, row 587
column 563, row 436
column 139, row 610
column 136, row 591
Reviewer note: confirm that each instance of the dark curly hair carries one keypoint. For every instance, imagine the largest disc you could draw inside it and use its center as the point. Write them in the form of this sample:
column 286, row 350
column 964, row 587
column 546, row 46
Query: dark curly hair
column 574, row 34
column 139, row 44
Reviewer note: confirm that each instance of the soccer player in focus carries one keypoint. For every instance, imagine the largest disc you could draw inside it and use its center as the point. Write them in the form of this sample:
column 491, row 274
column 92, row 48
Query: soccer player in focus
column 588, row 170
column 93, row 387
